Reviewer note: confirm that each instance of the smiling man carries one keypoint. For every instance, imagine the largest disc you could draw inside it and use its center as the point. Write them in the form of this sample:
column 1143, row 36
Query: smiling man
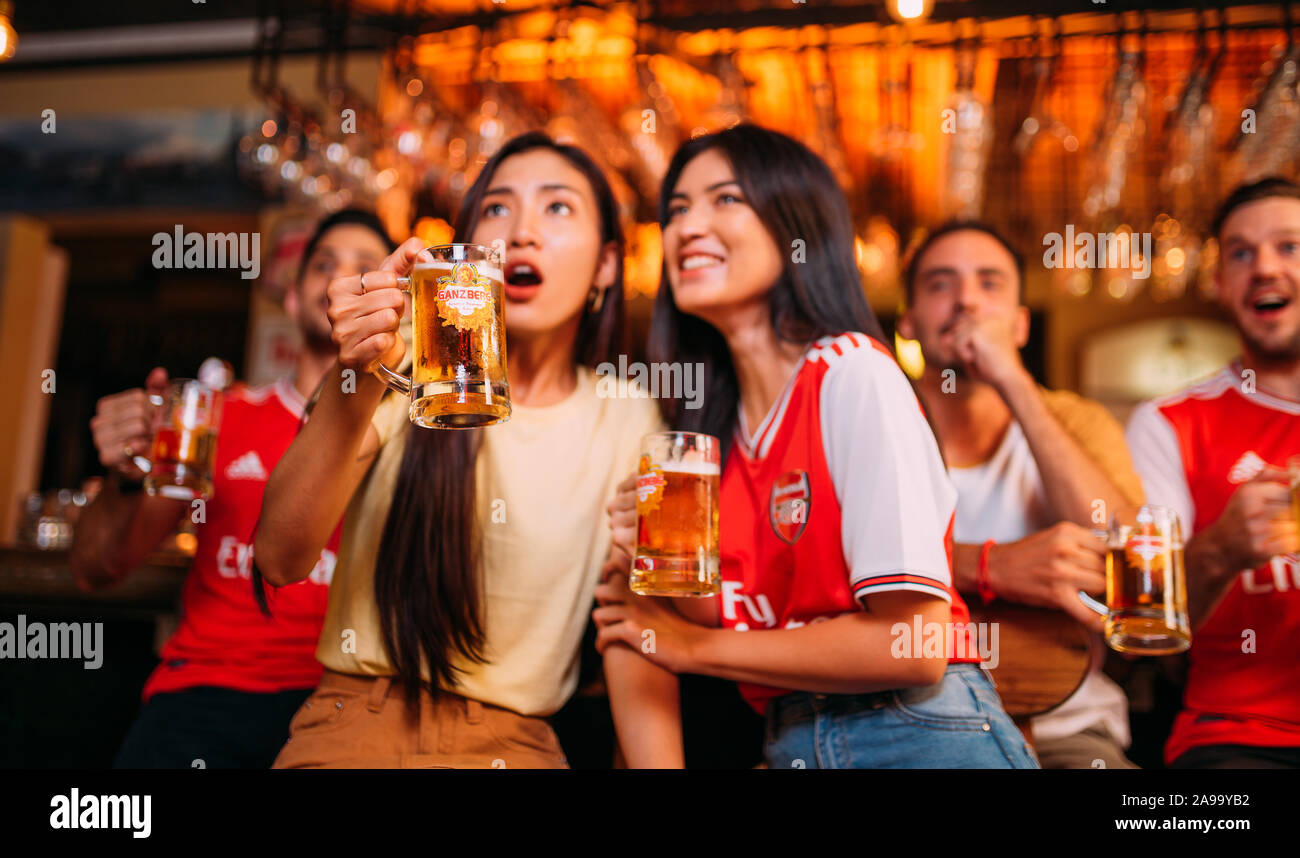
column 1216, row 453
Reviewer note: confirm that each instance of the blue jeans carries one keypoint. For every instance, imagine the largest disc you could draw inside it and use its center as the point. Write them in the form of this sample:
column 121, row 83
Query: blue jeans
column 957, row 723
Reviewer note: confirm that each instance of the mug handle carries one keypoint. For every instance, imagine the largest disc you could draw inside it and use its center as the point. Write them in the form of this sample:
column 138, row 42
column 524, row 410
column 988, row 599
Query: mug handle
column 1092, row 603
column 141, row 461
column 1088, row 601
column 401, row 383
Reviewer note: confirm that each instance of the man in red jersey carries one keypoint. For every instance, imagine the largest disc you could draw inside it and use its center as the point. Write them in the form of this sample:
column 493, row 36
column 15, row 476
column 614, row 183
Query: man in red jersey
column 1216, row 453
column 231, row 677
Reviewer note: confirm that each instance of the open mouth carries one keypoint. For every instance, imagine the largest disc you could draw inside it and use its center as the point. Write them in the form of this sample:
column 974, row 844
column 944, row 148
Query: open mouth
column 522, row 275
column 1269, row 303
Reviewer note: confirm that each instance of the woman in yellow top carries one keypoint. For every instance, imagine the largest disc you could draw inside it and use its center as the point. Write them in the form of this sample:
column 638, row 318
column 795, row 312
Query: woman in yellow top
column 469, row 558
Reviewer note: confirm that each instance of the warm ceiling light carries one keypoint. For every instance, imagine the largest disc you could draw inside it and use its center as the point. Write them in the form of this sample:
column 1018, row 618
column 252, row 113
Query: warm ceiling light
column 8, row 38
column 434, row 231
column 909, row 11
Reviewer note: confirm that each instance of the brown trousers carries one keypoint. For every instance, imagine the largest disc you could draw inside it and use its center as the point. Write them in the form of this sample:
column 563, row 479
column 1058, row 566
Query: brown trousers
column 362, row 722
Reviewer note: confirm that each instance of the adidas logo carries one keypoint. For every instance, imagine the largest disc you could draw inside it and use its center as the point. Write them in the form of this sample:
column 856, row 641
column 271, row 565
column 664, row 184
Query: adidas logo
column 1247, row 467
column 246, row 467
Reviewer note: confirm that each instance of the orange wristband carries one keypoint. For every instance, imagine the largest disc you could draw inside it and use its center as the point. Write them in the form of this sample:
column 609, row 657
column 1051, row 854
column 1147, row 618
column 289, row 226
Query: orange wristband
column 982, row 584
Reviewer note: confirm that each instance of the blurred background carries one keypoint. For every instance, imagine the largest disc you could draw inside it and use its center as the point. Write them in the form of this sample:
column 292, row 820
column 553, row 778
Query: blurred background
column 119, row 121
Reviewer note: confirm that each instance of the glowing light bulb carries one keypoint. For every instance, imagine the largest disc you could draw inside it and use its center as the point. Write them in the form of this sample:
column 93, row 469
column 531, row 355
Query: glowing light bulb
column 909, row 11
column 8, row 37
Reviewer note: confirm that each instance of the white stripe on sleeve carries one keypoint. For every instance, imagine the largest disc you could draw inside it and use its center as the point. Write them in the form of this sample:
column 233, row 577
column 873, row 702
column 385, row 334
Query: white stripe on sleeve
column 895, row 497
column 1158, row 460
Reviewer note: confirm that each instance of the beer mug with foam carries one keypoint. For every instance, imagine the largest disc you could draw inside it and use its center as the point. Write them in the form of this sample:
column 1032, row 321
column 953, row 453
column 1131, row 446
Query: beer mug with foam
column 458, row 369
column 184, row 447
column 1146, row 586
column 677, row 516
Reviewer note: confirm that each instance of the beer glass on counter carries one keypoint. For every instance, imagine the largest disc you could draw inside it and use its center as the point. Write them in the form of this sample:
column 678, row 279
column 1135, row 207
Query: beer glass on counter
column 1146, row 585
column 458, row 369
column 677, row 516
column 184, row 441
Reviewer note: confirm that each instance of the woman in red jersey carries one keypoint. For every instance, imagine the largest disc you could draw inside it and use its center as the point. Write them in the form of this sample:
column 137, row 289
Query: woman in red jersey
column 856, row 645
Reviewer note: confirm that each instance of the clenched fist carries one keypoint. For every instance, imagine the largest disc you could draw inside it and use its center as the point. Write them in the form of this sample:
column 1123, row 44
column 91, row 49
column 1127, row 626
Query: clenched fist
column 989, row 350
column 1257, row 524
column 123, row 424
column 365, row 310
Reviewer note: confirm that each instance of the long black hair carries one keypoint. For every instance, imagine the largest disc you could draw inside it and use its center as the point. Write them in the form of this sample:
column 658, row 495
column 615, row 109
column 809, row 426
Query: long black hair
column 796, row 197
column 427, row 574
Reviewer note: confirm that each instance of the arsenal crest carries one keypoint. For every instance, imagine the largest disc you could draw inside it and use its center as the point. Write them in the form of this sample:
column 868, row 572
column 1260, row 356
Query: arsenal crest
column 789, row 505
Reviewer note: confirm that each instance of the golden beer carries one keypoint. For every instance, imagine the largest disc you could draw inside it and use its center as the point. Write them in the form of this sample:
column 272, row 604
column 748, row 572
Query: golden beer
column 184, row 446
column 1146, row 585
column 458, row 369
column 677, row 516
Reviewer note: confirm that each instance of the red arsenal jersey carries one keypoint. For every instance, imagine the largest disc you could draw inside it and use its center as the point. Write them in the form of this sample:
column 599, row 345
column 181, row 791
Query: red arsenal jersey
column 1193, row 449
column 840, row 493
column 223, row 639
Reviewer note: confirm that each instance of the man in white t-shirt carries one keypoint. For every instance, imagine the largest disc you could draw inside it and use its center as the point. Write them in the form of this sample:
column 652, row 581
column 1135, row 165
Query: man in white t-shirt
column 1035, row 470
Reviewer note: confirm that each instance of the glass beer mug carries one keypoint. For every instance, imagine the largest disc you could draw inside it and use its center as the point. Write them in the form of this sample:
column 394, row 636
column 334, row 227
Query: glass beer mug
column 184, row 447
column 1146, row 585
column 677, row 516
column 458, row 369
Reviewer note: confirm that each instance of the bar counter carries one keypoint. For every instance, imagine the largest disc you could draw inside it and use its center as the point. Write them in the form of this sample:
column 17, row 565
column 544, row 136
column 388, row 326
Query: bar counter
column 34, row 579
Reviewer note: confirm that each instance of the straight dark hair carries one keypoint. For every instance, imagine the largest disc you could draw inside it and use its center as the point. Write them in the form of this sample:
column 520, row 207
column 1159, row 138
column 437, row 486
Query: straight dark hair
column 427, row 575
column 796, row 197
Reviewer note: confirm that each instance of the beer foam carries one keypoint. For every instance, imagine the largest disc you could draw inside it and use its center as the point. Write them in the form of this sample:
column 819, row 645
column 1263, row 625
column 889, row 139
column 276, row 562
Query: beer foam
column 483, row 268
column 703, row 469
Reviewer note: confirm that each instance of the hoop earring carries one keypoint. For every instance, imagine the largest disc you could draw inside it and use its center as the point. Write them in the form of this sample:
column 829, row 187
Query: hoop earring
column 598, row 300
